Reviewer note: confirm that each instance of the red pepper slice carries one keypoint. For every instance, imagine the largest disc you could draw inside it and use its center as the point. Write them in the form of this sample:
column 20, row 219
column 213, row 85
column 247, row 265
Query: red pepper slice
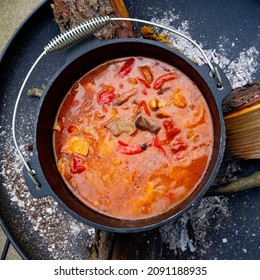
column 144, row 82
column 72, row 128
column 105, row 97
column 122, row 143
column 178, row 147
column 77, row 167
column 144, row 92
column 126, row 67
column 130, row 150
column 144, row 105
column 156, row 143
column 164, row 78
column 146, row 73
column 171, row 131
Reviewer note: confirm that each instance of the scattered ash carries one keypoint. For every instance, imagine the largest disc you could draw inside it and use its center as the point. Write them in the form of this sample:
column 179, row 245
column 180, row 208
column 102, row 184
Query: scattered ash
column 188, row 233
column 239, row 71
column 230, row 170
column 62, row 233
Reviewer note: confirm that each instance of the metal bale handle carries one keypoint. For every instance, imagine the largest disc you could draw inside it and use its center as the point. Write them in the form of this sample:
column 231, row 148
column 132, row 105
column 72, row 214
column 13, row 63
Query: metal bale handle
column 75, row 35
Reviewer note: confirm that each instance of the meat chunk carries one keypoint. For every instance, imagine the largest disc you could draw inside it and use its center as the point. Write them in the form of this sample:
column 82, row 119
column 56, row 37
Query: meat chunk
column 122, row 98
column 118, row 126
column 143, row 123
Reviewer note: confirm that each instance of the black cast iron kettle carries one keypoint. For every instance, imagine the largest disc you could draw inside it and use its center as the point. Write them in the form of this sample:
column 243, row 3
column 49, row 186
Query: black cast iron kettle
column 41, row 173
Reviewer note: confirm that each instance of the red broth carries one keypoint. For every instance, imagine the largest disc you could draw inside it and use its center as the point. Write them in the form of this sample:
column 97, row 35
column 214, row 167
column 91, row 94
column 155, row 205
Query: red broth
column 133, row 138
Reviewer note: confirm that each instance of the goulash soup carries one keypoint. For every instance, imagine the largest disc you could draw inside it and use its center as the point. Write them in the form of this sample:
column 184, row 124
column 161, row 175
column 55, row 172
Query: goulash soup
column 133, row 138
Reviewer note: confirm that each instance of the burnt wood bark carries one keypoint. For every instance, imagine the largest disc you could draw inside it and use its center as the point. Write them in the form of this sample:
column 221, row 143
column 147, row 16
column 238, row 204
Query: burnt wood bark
column 126, row 246
column 70, row 13
column 101, row 248
column 242, row 96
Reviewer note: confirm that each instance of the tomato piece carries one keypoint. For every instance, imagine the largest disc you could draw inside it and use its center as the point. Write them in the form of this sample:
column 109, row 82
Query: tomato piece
column 144, row 82
column 170, row 134
column 126, row 67
column 178, row 147
column 72, row 128
column 156, row 143
column 105, row 97
column 131, row 150
column 146, row 73
column 171, row 131
column 168, row 124
column 80, row 169
column 77, row 166
column 164, row 78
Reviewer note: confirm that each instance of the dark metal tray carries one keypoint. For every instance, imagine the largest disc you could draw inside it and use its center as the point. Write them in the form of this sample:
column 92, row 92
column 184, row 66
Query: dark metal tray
column 225, row 228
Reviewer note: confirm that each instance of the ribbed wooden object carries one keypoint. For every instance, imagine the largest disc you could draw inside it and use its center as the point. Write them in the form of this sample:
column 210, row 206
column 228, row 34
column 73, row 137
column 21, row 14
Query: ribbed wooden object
column 243, row 122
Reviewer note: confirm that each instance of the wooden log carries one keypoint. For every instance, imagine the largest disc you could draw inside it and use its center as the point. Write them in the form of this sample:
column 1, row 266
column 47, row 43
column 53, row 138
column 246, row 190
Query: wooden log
column 126, row 246
column 101, row 248
column 242, row 119
column 137, row 246
column 70, row 13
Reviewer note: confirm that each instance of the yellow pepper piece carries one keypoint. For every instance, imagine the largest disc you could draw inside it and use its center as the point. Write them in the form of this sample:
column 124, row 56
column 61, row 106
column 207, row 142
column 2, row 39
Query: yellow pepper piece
column 179, row 99
column 77, row 145
column 153, row 104
column 161, row 104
